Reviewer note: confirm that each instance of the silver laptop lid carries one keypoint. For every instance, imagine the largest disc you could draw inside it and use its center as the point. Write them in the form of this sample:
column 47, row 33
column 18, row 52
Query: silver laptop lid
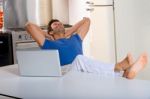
column 38, row 62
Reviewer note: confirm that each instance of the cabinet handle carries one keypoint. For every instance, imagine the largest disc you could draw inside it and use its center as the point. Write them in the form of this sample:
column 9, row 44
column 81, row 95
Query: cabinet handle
column 89, row 2
column 90, row 9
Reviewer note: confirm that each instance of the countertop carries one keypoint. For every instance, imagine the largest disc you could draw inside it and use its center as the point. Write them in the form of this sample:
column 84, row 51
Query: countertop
column 73, row 85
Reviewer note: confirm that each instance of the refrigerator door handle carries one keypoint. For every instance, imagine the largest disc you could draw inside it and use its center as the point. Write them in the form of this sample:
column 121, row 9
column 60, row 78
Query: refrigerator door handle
column 90, row 9
column 90, row 2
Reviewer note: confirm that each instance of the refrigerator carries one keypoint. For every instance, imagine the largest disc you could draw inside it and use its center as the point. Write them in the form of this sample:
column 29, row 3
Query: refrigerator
column 99, row 43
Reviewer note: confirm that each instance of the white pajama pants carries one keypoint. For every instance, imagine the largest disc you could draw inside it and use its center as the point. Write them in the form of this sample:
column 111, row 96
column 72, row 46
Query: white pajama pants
column 85, row 64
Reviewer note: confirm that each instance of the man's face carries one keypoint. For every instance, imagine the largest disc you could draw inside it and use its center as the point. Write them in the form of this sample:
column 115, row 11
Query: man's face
column 58, row 27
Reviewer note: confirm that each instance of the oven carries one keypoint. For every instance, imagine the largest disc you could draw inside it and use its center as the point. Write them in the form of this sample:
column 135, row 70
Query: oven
column 21, row 40
column 12, row 40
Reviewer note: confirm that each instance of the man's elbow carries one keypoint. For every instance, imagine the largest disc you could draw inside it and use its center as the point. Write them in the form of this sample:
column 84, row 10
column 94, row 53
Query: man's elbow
column 28, row 25
column 88, row 20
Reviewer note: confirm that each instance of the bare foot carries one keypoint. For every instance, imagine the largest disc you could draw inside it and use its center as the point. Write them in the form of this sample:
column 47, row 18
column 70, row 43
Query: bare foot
column 130, row 61
column 124, row 64
column 137, row 66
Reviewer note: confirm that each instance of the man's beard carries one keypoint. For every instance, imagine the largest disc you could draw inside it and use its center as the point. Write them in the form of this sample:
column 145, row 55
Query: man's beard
column 57, row 31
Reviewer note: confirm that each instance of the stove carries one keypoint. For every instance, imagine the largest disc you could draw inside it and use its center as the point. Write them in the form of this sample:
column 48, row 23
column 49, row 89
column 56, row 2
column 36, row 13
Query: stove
column 22, row 37
column 21, row 40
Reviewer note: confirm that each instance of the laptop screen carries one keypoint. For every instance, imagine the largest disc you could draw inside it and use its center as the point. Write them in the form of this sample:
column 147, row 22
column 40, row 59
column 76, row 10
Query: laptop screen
column 38, row 62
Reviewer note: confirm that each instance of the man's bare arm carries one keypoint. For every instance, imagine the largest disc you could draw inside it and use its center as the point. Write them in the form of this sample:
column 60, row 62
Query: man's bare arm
column 84, row 28
column 36, row 32
column 76, row 28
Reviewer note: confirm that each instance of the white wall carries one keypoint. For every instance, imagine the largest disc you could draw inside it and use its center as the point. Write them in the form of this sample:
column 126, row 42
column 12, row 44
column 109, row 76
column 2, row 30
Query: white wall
column 143, row 32
column 125, row 30
column 133, row 30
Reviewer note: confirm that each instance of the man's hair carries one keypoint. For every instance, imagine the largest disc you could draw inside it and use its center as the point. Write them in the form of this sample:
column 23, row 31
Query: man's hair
column 49, row 28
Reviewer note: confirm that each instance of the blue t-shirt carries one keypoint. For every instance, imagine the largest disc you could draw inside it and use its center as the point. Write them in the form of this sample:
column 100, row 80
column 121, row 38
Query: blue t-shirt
column 68, row 48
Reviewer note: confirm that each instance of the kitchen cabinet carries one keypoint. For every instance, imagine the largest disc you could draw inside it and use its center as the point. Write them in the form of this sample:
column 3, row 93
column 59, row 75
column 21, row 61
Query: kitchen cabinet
column 78, row 10
column 102, row 34
column 60, row 10
column 100, row 41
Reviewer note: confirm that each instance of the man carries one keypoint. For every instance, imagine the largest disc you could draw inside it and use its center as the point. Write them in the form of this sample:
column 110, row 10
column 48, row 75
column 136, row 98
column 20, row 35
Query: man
column 69, row 45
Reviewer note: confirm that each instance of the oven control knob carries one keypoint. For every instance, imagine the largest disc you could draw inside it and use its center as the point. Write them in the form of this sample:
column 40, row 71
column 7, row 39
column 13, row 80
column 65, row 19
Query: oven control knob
column 26, row 37
column 19, row 37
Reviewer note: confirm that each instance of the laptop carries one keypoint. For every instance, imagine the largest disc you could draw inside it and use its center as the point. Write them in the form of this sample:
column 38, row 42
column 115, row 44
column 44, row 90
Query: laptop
column 38, row 62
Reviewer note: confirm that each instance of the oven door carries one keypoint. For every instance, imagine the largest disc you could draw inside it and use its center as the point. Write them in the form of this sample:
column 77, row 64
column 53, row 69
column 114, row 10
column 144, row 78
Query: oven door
column 6, row 49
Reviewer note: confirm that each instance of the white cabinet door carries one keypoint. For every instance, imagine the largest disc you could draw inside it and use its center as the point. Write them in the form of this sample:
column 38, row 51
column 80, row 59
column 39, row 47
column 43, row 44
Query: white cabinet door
column 77, row 10
column 102, row 34
column 101, row 2
column 99, row 42
column 60, row 10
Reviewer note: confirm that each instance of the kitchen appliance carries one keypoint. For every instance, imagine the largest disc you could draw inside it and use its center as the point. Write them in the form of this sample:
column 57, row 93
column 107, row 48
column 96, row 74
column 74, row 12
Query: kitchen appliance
column 40, row 12
column 100, row 41
column 18, row 12
column 6, row 49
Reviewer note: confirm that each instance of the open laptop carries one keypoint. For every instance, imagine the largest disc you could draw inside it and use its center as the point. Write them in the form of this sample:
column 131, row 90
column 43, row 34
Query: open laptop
column 38, row 62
